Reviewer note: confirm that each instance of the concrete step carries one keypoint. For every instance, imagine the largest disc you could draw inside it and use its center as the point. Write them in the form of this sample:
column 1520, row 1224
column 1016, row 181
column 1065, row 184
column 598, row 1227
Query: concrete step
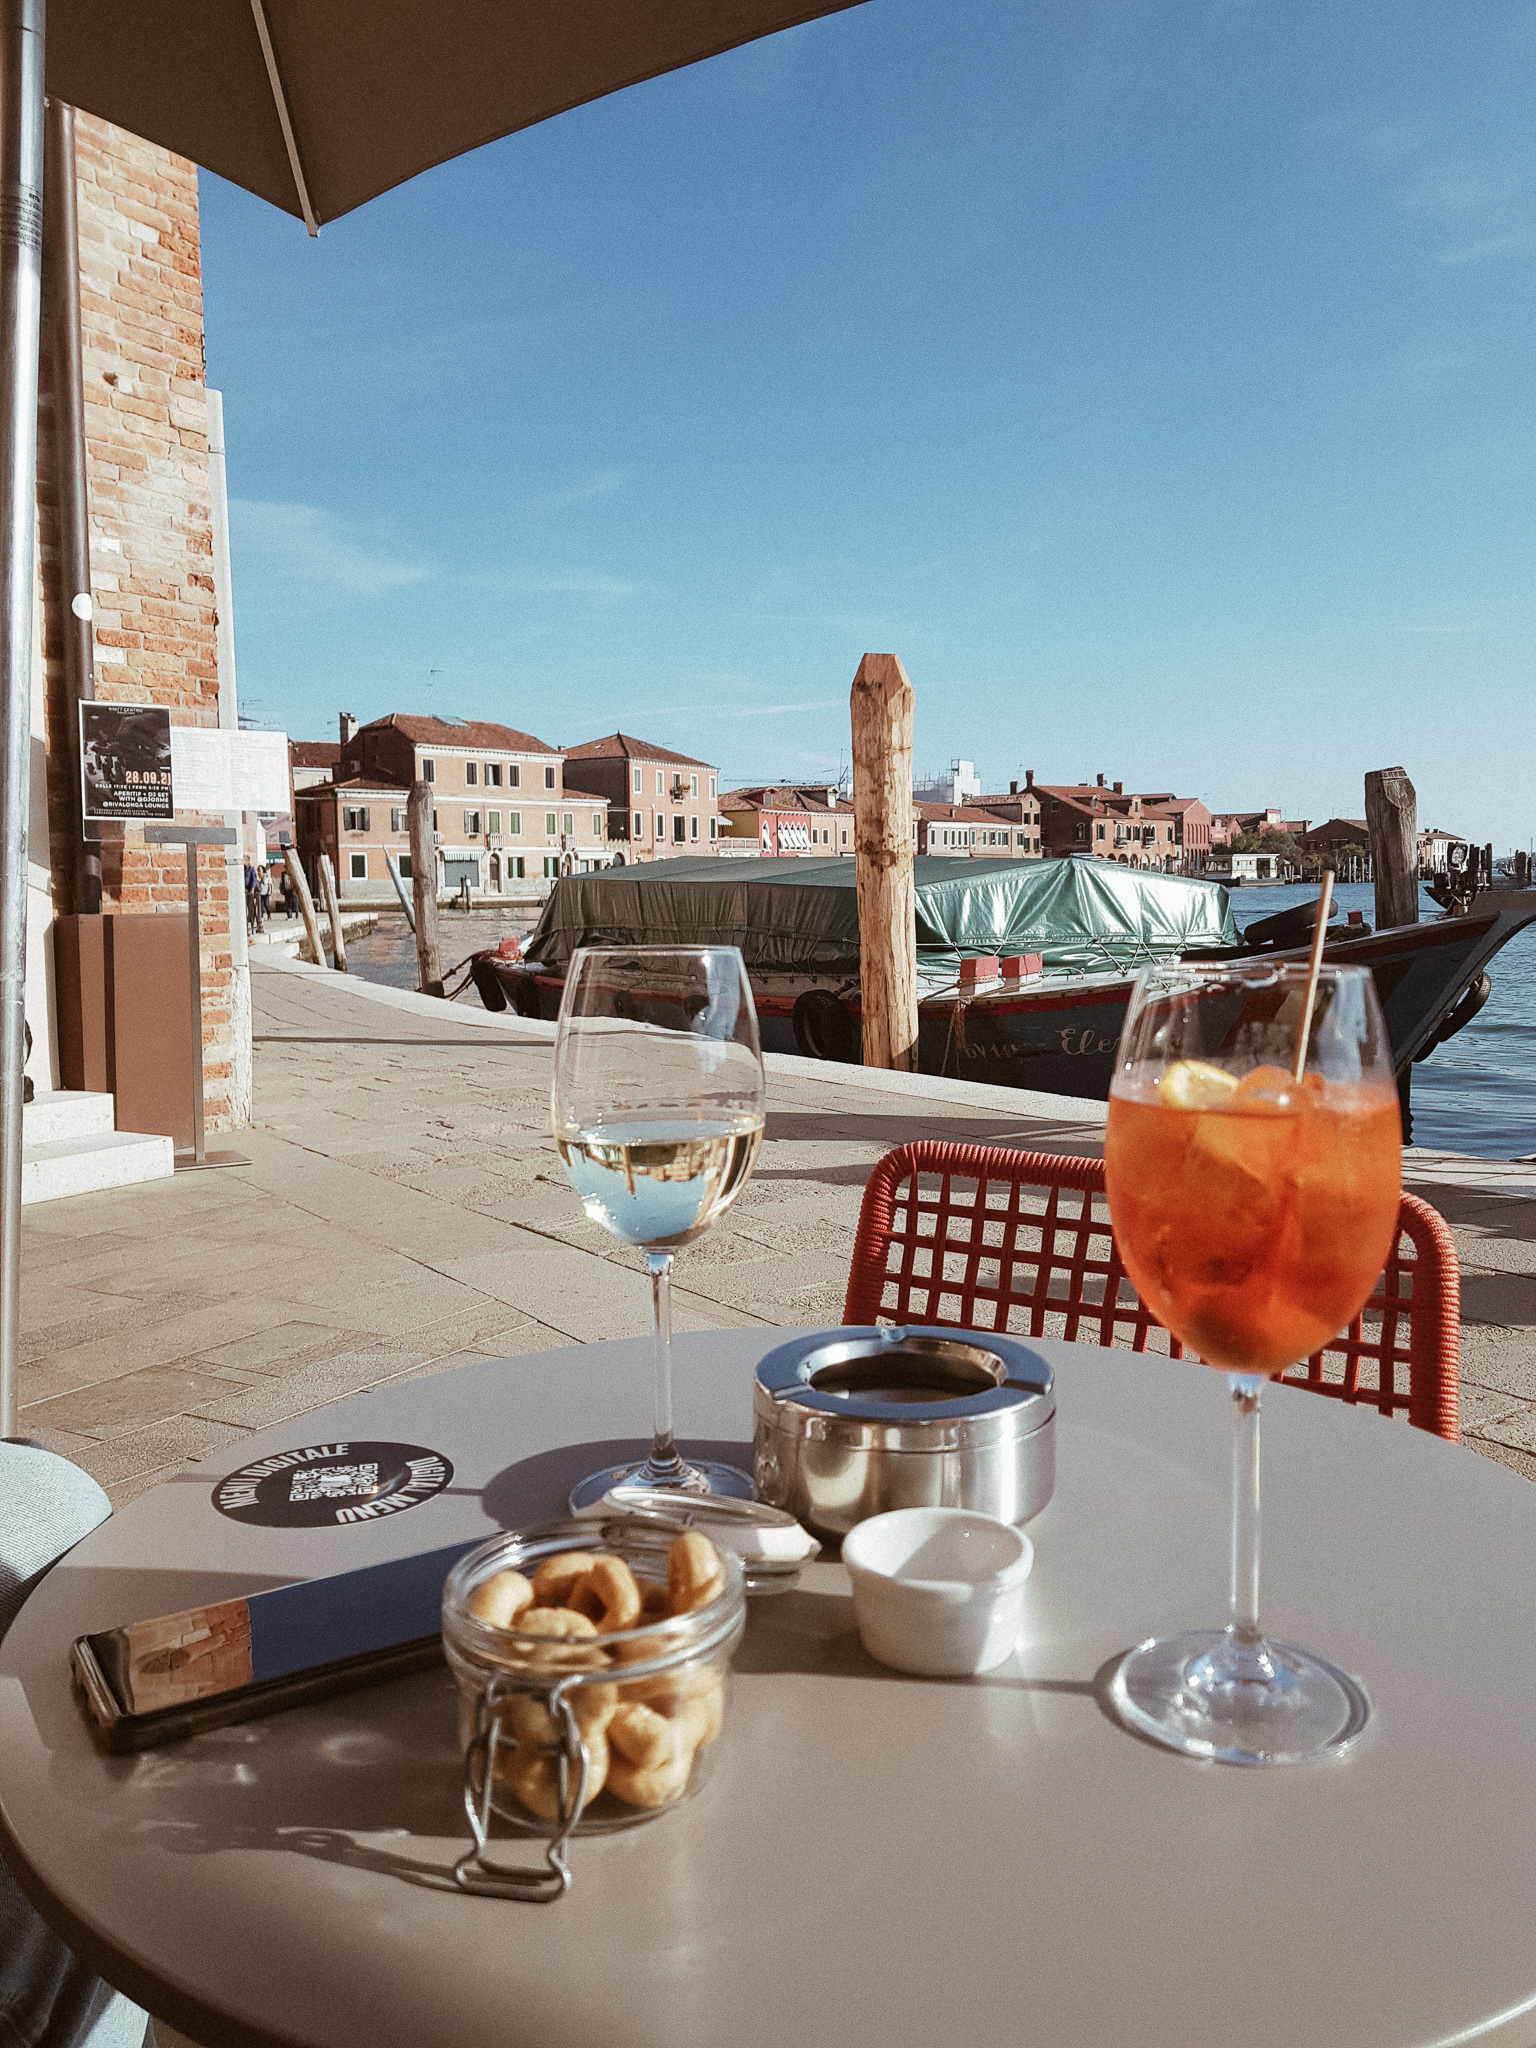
column 80, row 1166
column 65, row 1113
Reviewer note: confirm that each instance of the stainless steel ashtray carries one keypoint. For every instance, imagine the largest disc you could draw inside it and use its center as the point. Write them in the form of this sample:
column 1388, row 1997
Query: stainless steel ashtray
column 854, row 1424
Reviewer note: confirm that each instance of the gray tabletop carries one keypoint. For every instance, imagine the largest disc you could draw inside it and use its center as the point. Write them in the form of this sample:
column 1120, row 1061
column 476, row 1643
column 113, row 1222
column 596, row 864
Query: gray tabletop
column 878, row 1859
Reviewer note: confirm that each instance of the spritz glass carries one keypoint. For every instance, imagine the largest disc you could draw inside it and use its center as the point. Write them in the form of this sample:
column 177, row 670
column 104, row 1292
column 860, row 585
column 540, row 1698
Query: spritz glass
column 1254, row 1212
column 657, row 1107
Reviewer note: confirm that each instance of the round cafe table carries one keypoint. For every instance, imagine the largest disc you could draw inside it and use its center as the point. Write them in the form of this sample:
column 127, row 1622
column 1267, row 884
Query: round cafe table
column 879, row 1861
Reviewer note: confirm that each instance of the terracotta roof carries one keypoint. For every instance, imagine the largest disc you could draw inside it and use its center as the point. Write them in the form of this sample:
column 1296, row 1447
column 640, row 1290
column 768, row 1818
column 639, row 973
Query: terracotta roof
column 961, row 814
column 376, row 783
column 624, row 746
column 470, row 736
column 314, row 753
column 783, row 797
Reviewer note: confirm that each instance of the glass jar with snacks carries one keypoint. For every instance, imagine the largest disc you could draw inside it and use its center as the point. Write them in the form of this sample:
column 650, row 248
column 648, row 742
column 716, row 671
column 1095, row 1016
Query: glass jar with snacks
column 593, row 1664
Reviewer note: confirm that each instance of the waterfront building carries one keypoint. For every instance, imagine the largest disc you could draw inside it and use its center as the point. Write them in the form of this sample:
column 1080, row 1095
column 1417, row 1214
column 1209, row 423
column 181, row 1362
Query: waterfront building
column 962, row 785
column 661, row 805
column 1436, row 852
column 1229, row 825
column 1335, row 836
column 1156, row 830
column 312, row 761
column 1000, row 830
column 784, row 821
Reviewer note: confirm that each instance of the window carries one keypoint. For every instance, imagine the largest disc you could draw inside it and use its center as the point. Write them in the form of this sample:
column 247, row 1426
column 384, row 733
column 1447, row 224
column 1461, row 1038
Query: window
column 1098, row 831
column 661, row 782
column 428, row 771
column 471, row 824
column 493, row 821
column 569, row 827
column 661, row 827
column 404, row 865
column 434, row 818
column 471, row 774
column 693, row 825
column 551, row 865
column 514, row 776
column 359, row 867
column 597, row 824
column 515, row 823
column 355, row 820
column 515, row 867
column 493, row 775
column 639, row 780
column 639, row 824
column 549, row 824
column 714, row 828
column 693, row 785
column 399, row 821
column 679, row 829
column 549, row 779
column 714, row 785
column 845, row 835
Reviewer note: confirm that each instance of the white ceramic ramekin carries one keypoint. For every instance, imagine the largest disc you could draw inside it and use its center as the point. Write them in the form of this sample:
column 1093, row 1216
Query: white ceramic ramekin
column 938, row 1591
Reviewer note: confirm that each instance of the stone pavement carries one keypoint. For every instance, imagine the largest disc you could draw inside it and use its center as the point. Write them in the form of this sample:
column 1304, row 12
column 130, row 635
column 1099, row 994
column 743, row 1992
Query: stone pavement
column 405, row 1209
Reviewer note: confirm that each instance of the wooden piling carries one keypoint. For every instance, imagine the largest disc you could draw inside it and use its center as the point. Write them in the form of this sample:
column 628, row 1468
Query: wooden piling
column 880, row 707
column 424, row 889
column 1392, row 820
column 333, row 912
column 306, row 904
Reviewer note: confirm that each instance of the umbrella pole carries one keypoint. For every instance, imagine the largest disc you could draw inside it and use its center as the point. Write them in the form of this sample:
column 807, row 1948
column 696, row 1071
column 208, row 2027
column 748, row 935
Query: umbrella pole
column 21, row 251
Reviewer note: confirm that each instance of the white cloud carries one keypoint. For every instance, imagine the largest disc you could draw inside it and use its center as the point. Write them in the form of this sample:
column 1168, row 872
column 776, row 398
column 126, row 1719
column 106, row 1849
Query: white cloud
column 305, row 556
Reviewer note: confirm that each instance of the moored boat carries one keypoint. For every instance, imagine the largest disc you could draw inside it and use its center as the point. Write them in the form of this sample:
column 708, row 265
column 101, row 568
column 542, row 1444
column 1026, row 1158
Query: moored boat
column 1075, row 931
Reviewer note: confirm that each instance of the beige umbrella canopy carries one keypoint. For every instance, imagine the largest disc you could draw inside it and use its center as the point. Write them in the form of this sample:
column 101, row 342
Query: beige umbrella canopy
column 319, row 105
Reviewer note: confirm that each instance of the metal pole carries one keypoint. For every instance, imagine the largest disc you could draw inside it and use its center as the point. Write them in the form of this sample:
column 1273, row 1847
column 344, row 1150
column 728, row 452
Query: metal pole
column 21, row 253
column 195, row 944
column 62, row 278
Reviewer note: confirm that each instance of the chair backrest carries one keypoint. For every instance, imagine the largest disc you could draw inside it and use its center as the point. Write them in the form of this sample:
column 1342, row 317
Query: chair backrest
column 981, row 1238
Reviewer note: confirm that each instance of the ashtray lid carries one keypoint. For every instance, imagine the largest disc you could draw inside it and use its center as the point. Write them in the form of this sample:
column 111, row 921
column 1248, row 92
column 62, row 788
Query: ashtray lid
column 906, row 1386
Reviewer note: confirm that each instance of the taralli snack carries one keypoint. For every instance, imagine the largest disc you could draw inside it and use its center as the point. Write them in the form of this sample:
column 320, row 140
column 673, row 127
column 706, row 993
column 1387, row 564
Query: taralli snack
column 659, row 1787
column 607, row 1595
column 500, row 1599
column 534, row 1775
column 695, row 1575
column 572, row 1640
column 555, row 1577
column 585, row 1612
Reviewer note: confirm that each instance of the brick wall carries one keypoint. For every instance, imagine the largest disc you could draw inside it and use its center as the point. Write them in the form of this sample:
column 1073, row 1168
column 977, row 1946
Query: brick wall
column 151, row 533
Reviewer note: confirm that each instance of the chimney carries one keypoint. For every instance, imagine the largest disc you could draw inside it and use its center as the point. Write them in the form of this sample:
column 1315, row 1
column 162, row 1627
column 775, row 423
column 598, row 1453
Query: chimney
column 1013, row 789
column 1119, row 789
column 348, row 727
column 1100, row 782
column 1029, row 778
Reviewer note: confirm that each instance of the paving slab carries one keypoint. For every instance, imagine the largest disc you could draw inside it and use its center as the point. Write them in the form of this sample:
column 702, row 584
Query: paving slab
column 405, row 1210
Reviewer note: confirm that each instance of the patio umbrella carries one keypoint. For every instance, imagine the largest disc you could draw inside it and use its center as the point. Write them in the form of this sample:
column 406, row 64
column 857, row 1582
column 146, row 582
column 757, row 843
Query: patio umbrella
column 317, row 106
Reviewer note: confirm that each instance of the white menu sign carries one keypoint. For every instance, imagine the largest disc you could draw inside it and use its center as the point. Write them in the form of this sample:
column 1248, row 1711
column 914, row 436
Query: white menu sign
column 213, row 770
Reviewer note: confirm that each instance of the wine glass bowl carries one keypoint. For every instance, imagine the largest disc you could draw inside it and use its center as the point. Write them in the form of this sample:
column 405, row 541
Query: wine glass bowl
column 657, row 1108
column 1253, row 1166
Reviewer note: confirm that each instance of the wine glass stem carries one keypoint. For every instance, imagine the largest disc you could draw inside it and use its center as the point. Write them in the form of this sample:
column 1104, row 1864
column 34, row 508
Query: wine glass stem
column 663, row 1465
column 1246, row 1391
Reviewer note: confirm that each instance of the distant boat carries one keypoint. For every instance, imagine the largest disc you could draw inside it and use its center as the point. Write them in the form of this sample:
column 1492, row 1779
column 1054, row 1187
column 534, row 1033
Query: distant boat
column 1088, row 924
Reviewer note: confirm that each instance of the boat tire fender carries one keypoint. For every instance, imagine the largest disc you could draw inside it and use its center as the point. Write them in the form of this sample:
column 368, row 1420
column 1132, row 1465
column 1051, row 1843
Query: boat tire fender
column 488, row 985
column 825, row 1029
column 525, row 996
column 1458, row 1019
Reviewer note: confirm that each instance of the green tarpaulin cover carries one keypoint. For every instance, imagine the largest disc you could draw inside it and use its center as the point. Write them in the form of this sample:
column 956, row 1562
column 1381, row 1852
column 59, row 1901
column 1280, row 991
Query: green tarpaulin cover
column 802, row 916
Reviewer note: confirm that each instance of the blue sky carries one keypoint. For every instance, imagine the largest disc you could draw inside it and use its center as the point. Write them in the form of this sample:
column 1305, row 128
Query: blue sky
column 1156, row 377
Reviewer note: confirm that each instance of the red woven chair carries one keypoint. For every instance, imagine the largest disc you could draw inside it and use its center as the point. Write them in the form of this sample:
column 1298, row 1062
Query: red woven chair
column 1020, row 1242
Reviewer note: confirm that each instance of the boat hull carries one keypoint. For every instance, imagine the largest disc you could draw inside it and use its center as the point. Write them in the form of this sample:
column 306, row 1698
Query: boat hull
column 1058, row 1034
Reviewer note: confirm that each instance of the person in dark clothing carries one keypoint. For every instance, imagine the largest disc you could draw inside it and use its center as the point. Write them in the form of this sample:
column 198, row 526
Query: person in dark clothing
column 252, row 907
column 290, row 895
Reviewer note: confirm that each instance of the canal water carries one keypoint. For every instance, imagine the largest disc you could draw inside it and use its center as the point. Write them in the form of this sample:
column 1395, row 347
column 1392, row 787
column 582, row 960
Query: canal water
column 1477, row 1094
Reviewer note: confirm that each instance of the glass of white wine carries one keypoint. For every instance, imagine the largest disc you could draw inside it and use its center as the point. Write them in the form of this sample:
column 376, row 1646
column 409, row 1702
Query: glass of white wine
column 657, row 1107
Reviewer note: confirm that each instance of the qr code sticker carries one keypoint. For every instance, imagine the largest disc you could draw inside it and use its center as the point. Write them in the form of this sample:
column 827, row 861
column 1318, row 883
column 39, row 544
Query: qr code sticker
column 334, row 1482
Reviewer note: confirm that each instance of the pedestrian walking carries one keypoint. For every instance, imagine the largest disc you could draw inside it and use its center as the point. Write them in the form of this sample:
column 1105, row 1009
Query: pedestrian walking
column 264, row 892
column 252, row 904
column 290, row 895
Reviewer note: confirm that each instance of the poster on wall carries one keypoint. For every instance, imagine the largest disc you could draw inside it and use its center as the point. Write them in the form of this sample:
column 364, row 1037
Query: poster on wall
column 125, row 762
column 226, row 770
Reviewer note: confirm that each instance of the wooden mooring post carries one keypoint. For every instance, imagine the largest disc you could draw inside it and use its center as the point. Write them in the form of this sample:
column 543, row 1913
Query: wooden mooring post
column 880, row 707
column 1392, row 820
column 306, row 904
column 333, row 912
column 424, row 889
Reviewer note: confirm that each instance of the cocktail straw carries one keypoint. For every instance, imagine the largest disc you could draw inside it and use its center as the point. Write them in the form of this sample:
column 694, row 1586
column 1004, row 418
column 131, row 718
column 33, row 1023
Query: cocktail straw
column 1314, row 968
